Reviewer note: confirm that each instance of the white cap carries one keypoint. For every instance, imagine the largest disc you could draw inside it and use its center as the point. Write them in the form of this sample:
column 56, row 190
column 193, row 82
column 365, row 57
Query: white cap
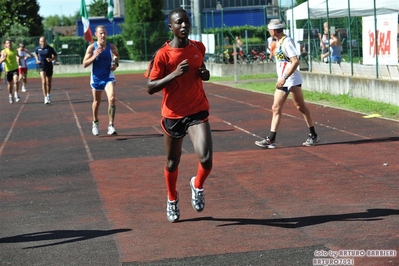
column 275, row 24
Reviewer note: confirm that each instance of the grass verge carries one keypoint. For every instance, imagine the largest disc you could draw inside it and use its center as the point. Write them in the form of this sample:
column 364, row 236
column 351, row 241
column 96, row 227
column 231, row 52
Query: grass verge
column 367, row 107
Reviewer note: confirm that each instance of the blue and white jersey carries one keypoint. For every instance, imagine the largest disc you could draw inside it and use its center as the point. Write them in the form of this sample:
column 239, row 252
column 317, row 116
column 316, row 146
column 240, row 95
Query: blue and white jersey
column 101, row 68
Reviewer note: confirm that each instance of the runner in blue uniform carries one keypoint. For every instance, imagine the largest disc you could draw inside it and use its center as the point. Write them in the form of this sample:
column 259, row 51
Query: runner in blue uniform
column 104, row 58
column 45, row 55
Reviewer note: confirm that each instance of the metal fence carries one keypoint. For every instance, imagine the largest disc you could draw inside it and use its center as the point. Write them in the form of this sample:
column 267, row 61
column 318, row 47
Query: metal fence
column 368, row 30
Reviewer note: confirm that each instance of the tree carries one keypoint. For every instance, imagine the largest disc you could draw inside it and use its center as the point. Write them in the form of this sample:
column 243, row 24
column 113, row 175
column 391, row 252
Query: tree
column 56, row 20
column 23, row 12
column 98, row 8
column 145, row 26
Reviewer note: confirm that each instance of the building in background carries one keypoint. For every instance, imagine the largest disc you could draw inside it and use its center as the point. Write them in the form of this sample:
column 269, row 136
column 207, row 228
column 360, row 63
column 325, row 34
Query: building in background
column 228, row 14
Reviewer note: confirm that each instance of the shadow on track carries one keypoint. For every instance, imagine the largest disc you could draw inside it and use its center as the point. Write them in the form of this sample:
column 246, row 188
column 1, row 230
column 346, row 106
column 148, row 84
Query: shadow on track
column 69, row 236
column 298, row 222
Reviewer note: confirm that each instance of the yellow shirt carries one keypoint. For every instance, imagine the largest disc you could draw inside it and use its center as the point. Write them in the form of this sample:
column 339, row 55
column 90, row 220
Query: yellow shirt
column 11, row 59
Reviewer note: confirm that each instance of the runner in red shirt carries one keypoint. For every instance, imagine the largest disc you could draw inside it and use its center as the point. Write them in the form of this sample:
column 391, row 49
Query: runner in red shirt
column 178, row 70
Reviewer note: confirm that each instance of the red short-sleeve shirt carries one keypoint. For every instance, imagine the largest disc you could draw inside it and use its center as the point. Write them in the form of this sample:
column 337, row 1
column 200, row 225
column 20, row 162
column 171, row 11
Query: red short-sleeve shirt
column 185, row 95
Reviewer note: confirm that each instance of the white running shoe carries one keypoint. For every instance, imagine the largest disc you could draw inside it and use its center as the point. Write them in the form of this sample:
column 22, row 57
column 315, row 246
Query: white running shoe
column 94, row 129
column 311, row 140
column 11, row 100
column 197, row 197
column 172, row 210
column 23, row 89
column 111, row 130
column 46, row 100
column 17, row 98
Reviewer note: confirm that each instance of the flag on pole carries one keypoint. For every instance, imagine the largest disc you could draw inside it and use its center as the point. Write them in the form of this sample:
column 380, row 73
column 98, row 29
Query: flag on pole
column 87, row 35
column 111, row 10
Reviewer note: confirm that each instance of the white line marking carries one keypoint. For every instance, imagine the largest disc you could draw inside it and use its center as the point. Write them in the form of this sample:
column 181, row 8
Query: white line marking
column 241, row 129
column 80, row 130
column 127, row 106
column 13, row 125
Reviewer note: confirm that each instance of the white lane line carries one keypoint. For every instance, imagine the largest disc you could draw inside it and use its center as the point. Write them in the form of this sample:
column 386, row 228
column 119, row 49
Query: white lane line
column 241, row 129
column 127, row 106
column 13, row 125
column 80, row 130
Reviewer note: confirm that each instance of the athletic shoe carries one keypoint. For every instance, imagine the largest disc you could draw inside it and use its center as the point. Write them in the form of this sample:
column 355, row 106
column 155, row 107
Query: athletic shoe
column 11, row 100
column 266, row 143
column 111, row 130
column 17, row 98
column 172, row 210
column 197, row 197
column 311, row 140
column 23, row 89
column 46, row 100
column 94, row 129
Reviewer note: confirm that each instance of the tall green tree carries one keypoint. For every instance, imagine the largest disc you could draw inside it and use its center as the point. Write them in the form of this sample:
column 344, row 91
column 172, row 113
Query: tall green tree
column 57, row 20
column 98, row 8
column 145, row 26
column 23, row 12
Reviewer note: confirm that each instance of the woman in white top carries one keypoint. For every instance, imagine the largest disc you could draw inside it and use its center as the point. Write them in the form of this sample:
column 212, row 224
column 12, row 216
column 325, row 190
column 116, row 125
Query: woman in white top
column 334, row 53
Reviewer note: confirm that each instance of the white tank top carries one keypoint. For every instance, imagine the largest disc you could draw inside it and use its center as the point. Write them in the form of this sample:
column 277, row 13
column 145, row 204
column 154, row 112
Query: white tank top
column 22, row 59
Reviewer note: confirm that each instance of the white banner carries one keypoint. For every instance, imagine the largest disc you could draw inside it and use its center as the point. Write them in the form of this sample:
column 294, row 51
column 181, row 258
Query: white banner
column 209, row 41
column 385, row 44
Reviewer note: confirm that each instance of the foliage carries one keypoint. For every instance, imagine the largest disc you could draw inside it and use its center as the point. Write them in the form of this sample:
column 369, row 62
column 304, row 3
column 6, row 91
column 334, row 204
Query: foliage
column 78, row 46
column 19, row 30
column 98, row 8
column 23, row 12
column 250, row 31
column 52, row 21
column 144, row 25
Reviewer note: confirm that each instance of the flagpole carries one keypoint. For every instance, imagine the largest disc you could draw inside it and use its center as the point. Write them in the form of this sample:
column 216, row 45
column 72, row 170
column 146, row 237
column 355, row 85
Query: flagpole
column 111, row 14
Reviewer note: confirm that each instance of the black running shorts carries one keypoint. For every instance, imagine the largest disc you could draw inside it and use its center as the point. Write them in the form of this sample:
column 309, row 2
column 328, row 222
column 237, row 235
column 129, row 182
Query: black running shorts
column 177, row 128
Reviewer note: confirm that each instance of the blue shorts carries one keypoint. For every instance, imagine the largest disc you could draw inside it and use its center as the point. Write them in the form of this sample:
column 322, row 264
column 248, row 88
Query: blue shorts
column 100, row 85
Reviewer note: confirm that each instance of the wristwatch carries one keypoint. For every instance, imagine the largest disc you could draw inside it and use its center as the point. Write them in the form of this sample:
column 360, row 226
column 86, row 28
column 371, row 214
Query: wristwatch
column 284, row 76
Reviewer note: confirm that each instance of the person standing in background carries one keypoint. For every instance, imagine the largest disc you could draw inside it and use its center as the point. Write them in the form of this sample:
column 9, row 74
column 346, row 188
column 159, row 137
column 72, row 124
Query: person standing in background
column 334, row 53
column 23, row 54
column 324, row 42
column 272, row 47
column 45, row 55
column 10, row 57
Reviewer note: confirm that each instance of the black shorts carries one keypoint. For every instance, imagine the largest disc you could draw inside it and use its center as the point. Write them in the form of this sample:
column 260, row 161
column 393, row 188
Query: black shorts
column 47, row 69
column 11, row 74
column 287, row 90
column 177, row 128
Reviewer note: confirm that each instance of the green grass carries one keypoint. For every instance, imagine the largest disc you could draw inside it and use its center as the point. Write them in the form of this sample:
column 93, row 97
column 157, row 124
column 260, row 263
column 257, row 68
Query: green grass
column 367, row 107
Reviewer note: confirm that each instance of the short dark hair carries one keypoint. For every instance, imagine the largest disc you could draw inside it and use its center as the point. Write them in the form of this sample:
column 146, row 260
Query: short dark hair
column 174, row 11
